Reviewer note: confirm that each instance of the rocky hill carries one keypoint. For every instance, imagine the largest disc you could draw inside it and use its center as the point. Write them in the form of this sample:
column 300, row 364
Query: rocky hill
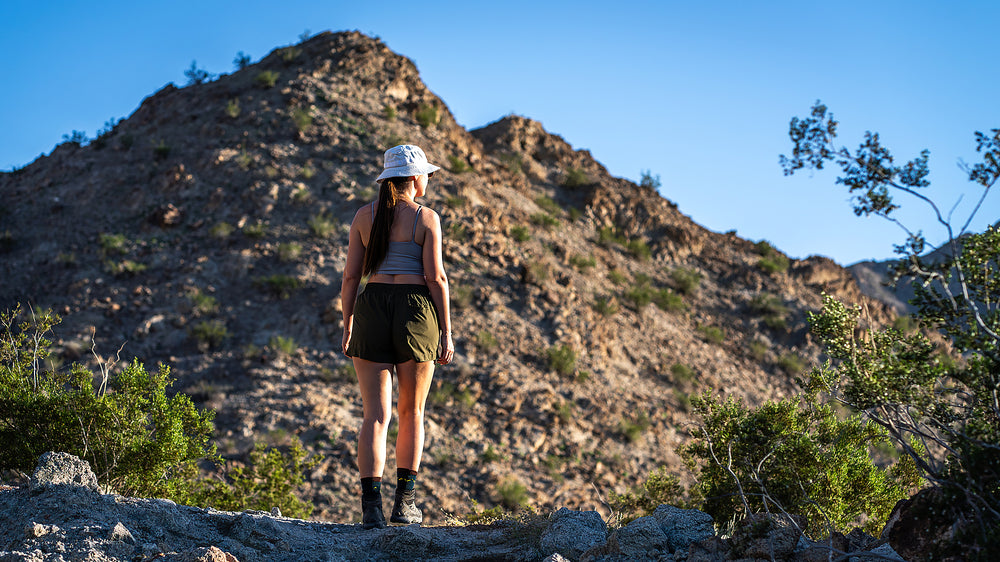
column 208, row 231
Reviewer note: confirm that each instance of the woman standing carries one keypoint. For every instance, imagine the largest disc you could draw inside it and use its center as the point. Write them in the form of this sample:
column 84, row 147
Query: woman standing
column 400, row 322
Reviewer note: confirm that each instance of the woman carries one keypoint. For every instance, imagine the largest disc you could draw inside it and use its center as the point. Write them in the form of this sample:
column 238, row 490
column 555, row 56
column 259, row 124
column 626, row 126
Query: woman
column 399, row 322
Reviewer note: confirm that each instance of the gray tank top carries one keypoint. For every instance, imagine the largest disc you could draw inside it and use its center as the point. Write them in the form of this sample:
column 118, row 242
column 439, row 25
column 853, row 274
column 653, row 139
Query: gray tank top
column 403, row 258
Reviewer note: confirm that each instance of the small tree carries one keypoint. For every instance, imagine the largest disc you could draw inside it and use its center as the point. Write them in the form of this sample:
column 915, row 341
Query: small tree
column 943, row 412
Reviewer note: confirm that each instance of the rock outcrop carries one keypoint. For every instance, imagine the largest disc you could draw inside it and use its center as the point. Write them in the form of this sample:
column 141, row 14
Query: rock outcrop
column 61, row 516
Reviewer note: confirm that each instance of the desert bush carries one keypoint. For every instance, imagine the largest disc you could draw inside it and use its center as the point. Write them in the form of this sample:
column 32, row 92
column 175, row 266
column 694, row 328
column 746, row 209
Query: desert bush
column 659, row 488
column 582, row 263
column 758, row 350
column 289, row 54
column 113, row 244
column 605, row 306
column 256, row 229
column 548, row 205
column 640, row 295
column 791, row 363
column 289, row 251
column 561, row 359
column 283, row 345
column 124, row 268
column 427, row 115
column 632, row 427
column 196, row 75
column 461, row 296
column 269, row 480
column 267, row 78
column 513, row 493
column 576, row 177
column 390, row 114
column 302, row 118
column 138, row 440
column 668, row 300
column 617, row 276
column 322, row 225
column 458, row 165
column 78, row 138
column 686, row 281
column 712, row 334
column 682, row 373
column 486, row 341
column 202, row 304
column 650, row 181
column 774, row 312
column 241, row 61
column 902, row 381
column 221, row 230
column 161, row 150
column 279, row 285
column 771, row 260
column 513, row 162
column 544, row 220
column 796, row 458
column 233, row 108
column 210, row 333
column 520, row 233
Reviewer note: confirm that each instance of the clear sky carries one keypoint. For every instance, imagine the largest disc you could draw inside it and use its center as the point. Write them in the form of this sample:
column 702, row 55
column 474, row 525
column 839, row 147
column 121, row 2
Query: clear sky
column 698, row 93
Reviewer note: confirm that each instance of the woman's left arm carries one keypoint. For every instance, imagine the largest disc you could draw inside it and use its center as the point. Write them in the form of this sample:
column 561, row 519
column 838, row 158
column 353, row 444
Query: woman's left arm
column 437, row 284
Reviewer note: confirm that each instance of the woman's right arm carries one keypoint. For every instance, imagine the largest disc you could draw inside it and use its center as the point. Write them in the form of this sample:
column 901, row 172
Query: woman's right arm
column 352, row 278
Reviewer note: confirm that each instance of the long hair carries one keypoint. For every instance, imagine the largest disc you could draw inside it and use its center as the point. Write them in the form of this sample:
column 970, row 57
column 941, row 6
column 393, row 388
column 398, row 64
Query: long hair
column 385, row 212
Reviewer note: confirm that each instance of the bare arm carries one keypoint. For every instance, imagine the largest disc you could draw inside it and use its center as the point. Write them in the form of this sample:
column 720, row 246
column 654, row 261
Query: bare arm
column 352, row 277
column 437, row 283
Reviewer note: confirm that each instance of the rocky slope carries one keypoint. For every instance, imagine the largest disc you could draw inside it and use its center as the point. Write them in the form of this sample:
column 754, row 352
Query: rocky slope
column 208, row 231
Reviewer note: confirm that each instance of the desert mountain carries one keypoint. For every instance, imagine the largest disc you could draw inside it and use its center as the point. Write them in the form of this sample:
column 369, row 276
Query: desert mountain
column 208, row 231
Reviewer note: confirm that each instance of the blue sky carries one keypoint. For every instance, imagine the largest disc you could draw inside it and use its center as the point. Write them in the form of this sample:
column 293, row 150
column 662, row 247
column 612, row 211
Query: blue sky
column 698, row 93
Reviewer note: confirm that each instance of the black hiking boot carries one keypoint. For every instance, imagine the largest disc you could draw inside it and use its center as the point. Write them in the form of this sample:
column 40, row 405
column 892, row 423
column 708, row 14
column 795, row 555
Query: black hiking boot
column 371, row 514
column 404, row 509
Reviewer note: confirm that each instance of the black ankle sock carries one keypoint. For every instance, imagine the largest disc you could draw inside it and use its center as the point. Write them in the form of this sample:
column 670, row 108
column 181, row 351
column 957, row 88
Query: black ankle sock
column 371, row 488
column 406, row 479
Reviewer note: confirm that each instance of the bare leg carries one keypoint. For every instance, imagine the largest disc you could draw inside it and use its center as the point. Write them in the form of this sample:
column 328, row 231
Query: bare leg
column 375, row 380
column 414, row 384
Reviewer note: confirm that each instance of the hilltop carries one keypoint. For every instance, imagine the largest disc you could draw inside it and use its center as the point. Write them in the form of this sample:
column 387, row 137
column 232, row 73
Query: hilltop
column 208, row 231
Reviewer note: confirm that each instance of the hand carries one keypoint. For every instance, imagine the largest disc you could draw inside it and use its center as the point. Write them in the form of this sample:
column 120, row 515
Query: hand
column 347, row 339
column 446, row 349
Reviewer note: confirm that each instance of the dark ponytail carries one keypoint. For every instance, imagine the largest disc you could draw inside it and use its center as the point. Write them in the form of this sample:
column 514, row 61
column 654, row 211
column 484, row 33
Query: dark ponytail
column 385, row 212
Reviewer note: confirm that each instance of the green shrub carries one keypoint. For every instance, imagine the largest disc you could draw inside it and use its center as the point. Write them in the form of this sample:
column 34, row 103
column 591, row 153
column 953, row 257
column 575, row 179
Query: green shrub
column 289, row 251
column 609, row 235
column 605, row 306
column 548, row 205
column 639, row 295
column 390, row 114
column 512, row 162
column 161, row 150
column 202, row 304
column 454, row 201
column 210, row 333
column 682, row 373
column 461, row 296
column 617, row 276
column 771, row 261
column 576, row 177
column 582, row 263
column 303, row 119
column 544, row 220
column 139, row 441
column 113, row 244
column 221, row 230
column 686, row 281
column 773, row 311
column 233, row 108
column 269, row 480
column 668, row 300
column 486, row 341
column 256, row 229
column 279, row 285
column 520, row 233
column 712, row 334
column 457, row 165
column 124, row 268
column 801, row 459
column 283, row 345
column 322, row 225
column 458, row 232
column 427, row 115
column 241, row 60
column 561, row 359
column 758, row 350
column 650, row 181
column 633, row 427
column 513, row 493
column 658, row 489
column 446, row 392
column 289, row 54
column 267, row 78
column 639, row 249
column 791, row 364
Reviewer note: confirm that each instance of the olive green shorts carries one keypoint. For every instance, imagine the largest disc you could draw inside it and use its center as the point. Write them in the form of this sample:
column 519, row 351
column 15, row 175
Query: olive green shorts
column 394, row 324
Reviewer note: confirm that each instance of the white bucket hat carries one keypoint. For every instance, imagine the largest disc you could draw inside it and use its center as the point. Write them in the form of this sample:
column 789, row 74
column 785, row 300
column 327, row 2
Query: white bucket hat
column 406, row 160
